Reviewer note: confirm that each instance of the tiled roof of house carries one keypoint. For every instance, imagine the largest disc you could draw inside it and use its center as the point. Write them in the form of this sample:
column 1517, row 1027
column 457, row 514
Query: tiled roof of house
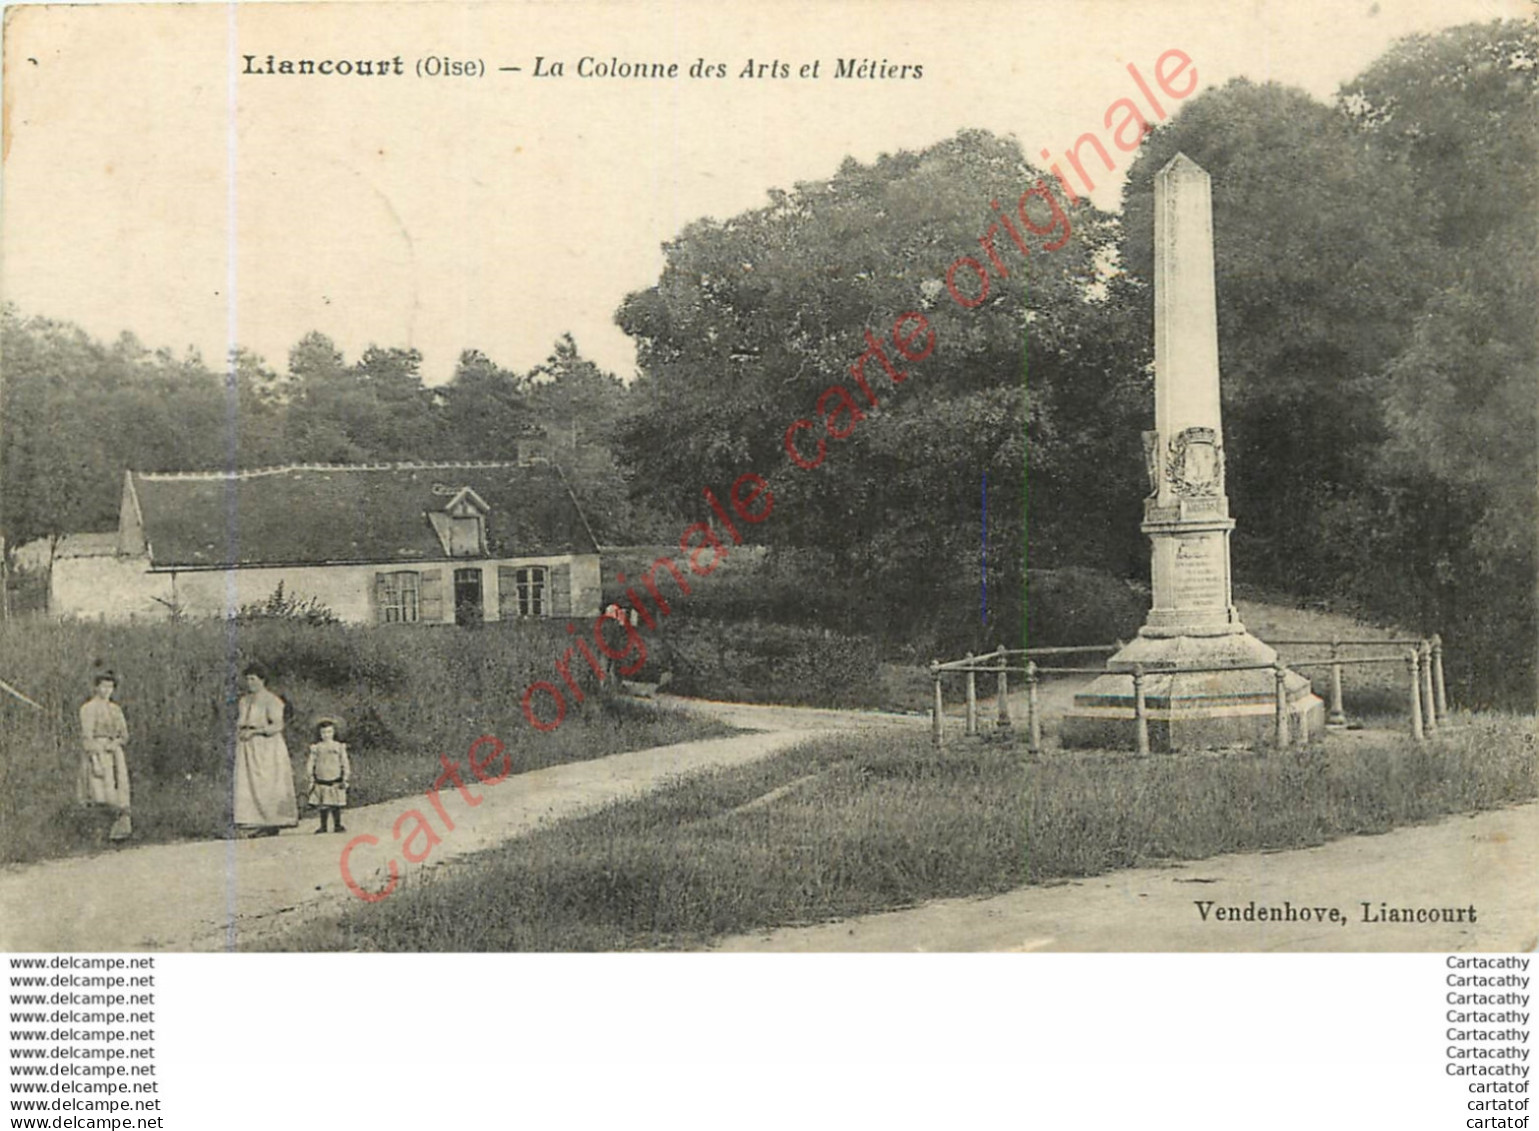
column 38, row 553
column 317, row 514
column 87, row 545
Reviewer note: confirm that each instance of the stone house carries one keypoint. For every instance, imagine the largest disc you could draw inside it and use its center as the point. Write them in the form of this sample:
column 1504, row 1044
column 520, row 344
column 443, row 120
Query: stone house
column 422, row 543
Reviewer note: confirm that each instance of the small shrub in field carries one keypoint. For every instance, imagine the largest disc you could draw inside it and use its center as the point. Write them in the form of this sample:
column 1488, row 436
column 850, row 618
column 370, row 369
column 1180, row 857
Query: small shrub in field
column 749, row 583
column 770, row 663
column 287, row 606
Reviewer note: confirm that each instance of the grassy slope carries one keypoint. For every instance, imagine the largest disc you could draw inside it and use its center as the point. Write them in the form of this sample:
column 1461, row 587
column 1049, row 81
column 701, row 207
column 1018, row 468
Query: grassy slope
column 406, row 696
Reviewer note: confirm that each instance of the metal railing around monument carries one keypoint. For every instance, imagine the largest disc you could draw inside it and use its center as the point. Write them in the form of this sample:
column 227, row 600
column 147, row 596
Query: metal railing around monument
column 1427, row 693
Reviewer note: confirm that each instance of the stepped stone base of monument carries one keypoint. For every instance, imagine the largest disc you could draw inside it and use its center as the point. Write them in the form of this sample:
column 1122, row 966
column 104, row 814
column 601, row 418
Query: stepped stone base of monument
column 1190, row 710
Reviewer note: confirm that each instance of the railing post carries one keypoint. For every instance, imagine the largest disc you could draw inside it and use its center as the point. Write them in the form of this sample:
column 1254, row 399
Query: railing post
column 1281, row 730
column 1033, row 711
column 1437, row 677
column 1338, row 715
column 1302, row 734
column 1140, row 712
column 972, row 698
column 1280, row 677
column 936, row 708
column 1413, row 665
column 1004, row 689
column 1428, row 704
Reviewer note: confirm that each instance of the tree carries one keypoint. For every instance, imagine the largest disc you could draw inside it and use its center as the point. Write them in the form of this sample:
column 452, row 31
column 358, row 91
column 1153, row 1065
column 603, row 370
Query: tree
column 314, row 428
column 78, row 414
column 573, row 397
column 46, row 479
column 1319, row 251
column 1454, row 111
column 579, row 406
column 1457, row 115
column 261, row 398
column 1467, row 99
column 755, row 317
column 393, row 413
column 485, row 408
column 374, row 409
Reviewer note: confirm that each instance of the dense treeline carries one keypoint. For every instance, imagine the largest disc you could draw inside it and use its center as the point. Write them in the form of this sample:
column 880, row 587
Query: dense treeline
column 78, row 412
column 1376, row 261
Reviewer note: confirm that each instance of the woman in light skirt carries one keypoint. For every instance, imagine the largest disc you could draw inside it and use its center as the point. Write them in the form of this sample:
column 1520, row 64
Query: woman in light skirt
column 264, row 779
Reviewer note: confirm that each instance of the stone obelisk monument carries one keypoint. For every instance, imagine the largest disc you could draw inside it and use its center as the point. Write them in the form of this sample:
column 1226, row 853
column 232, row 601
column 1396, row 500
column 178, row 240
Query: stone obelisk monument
column 1193, row 622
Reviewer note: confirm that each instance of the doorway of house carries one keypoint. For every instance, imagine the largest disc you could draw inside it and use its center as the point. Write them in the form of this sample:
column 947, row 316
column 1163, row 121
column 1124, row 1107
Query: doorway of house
column 467, row 596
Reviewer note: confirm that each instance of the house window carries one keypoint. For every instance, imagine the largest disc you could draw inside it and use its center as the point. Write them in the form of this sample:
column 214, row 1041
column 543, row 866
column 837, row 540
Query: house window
column 531, row 586
column 399, row 597
column 534, row 591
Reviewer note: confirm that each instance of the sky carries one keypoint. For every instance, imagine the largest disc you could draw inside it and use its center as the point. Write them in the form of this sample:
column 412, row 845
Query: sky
column 150, row 185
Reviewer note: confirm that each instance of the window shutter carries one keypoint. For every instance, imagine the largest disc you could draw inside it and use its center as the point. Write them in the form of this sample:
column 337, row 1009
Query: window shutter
column 561, row 590
column 432, row 596
column 380, row 598
column 507, row 593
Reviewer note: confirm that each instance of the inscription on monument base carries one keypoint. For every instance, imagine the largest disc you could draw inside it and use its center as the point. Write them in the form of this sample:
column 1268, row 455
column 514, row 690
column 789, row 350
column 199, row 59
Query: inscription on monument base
column 1199, row 575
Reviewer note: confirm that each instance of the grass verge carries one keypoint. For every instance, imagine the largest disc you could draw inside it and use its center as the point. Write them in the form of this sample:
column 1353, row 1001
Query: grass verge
column 846, row 826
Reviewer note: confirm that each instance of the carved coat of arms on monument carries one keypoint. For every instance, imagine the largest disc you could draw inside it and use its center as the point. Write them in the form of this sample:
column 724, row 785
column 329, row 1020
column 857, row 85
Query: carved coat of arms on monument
column 1195, row 467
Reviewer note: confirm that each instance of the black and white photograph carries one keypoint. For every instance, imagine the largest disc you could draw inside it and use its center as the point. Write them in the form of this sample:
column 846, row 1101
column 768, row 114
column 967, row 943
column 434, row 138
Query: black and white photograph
column 811, row 564
column 844, row 477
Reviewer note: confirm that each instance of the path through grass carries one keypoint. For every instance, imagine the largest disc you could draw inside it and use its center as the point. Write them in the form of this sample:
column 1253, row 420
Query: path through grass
column 871, row 823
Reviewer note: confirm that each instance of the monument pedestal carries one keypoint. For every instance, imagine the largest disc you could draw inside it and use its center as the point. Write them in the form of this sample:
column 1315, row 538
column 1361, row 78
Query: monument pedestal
column 1190, row 710
column 1192, row 625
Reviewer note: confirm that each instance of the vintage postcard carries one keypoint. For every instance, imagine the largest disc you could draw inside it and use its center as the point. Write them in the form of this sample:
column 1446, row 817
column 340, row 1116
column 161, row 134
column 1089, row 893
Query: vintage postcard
column 802, row 477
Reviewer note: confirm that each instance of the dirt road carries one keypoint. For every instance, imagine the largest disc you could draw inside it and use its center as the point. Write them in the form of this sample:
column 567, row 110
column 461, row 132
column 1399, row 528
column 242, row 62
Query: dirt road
column 213, row 895
column 226, row 895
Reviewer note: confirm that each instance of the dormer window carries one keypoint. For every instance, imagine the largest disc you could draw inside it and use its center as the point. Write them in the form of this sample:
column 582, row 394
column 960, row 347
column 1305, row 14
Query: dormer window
column 467, row 536
column 461, row 525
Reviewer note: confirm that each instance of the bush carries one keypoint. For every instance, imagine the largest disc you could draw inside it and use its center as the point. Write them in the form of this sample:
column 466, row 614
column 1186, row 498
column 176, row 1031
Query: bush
column 287, row 606
column 1066, row 607
column 769, row 663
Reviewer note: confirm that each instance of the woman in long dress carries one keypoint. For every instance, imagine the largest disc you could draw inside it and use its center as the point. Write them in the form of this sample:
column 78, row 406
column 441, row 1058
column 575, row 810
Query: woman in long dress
column 103, row 779
column 264, row 779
